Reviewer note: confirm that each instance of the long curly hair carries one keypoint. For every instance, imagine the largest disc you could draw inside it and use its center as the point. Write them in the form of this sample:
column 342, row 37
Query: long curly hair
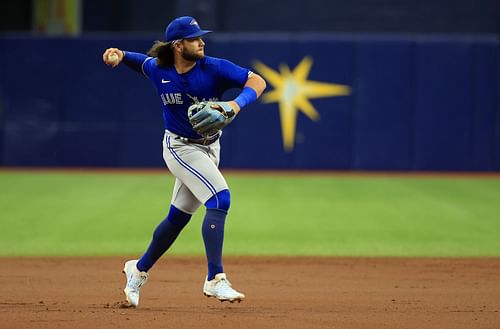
column 163, row 51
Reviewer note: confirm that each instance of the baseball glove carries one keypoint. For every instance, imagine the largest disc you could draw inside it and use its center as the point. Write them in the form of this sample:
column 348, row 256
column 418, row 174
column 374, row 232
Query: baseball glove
column 209, row 117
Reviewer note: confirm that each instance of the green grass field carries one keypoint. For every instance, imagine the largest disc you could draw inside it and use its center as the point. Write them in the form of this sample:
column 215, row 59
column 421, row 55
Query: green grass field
column 79, row 213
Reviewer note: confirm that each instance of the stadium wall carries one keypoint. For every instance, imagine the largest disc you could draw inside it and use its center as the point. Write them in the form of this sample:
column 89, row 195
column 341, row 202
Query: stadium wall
column 379, row 102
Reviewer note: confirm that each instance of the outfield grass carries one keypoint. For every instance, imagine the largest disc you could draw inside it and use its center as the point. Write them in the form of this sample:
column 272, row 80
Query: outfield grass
column 115, row 214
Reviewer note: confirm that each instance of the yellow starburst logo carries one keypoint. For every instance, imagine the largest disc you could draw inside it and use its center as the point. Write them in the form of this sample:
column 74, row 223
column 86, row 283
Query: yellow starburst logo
column 292, row 91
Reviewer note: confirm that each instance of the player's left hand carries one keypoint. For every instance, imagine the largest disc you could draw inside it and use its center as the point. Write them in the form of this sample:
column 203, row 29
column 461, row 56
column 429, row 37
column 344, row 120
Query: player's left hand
column 209, row 117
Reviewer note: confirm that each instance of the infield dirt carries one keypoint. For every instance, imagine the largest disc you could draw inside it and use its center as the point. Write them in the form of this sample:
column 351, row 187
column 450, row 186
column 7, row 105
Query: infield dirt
column 305, row 292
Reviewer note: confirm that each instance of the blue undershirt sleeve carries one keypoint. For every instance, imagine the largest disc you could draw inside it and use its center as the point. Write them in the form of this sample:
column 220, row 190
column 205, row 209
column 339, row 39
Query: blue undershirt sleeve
column 135, row 61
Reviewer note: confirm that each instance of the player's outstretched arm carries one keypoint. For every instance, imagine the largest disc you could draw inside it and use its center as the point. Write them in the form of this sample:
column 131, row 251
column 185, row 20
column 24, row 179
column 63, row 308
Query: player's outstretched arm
column 114, row 56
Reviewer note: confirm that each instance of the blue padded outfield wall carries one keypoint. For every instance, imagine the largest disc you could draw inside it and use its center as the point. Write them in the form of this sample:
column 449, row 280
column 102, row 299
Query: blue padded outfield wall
column 371, row 102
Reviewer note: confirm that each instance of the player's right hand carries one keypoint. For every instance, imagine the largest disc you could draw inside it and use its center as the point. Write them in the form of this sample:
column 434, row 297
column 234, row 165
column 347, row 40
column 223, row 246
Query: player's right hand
column 109, row 61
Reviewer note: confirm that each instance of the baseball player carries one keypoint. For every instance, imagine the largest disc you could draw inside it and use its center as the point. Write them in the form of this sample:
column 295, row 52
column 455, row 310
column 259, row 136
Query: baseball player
column 190, row 86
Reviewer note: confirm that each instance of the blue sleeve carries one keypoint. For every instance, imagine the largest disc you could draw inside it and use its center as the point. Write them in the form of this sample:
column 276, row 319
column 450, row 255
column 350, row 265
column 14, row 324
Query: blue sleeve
column 138, row 62
column 236, row 75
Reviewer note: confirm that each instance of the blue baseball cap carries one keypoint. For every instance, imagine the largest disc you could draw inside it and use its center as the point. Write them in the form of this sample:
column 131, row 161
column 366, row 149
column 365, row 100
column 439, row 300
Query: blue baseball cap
column 184, row 27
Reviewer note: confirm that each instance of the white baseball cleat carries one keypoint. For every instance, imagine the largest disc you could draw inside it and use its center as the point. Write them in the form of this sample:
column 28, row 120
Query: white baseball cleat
column 135, row 280
column 221, row 289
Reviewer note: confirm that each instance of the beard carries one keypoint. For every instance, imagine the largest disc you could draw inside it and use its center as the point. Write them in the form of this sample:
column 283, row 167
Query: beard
column 191, row 56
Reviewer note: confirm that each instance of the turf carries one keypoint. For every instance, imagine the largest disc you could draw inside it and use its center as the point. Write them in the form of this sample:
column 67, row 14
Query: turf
column 85, row 213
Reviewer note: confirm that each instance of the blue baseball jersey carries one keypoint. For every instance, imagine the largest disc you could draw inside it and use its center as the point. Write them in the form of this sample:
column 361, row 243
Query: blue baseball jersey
column 206, row 81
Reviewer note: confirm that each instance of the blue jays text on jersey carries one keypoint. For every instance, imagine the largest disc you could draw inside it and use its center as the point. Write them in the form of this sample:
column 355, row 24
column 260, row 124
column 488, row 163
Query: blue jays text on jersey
column 176, row 98
column 208, row 80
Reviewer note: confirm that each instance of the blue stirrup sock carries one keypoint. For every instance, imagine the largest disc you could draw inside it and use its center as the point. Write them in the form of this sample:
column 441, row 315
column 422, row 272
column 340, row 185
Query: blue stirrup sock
column 163, row 237
column 213, row 231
